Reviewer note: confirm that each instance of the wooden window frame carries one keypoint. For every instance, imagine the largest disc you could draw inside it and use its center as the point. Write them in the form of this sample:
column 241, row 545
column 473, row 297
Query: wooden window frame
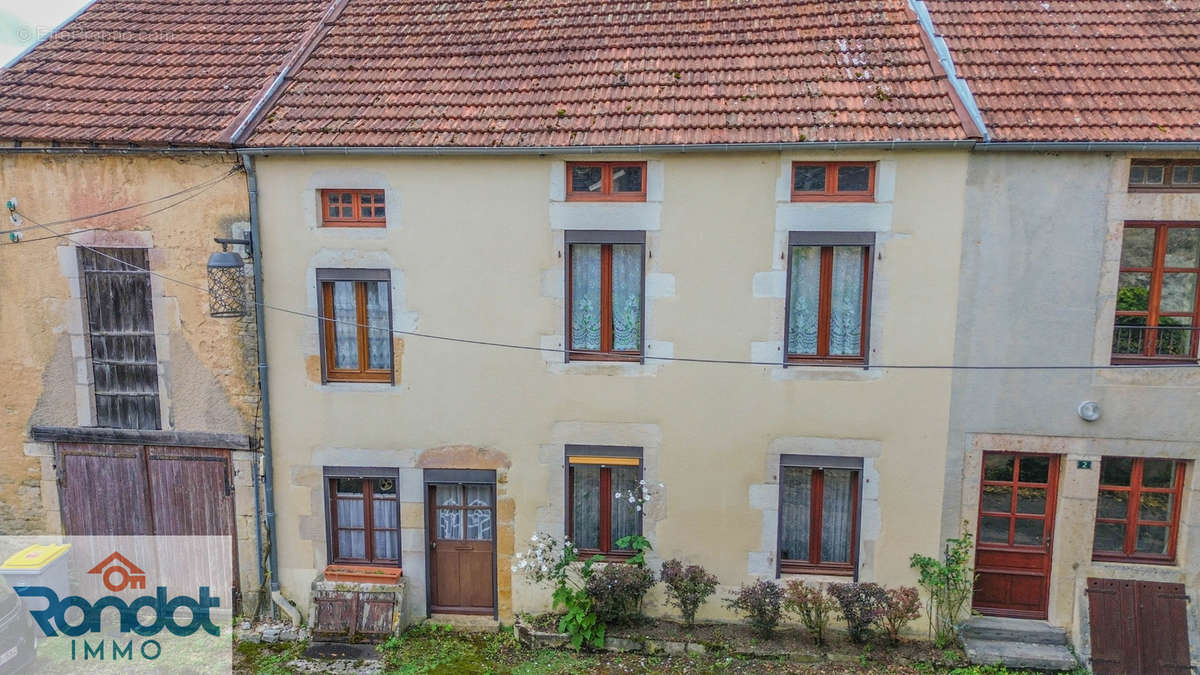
column 367, row 475
column 606, row 193
column 360, row 277
column 606, row 239
column 1168, row 185
column 827, row 241
column 819, row 465
column 606, row 457
column 357, row 220
column 1153, row 314
column 831, row 192
column 1132, row 519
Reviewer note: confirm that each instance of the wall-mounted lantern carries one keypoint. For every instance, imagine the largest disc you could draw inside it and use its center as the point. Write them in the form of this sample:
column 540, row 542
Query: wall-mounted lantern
column 226, row 280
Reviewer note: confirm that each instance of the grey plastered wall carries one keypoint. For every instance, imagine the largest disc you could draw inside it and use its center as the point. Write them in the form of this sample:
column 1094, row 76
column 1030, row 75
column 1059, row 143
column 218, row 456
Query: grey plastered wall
column 1041, row 248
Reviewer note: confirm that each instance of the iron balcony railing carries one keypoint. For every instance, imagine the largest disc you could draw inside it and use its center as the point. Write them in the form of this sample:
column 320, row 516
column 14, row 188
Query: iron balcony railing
column 1154, row 341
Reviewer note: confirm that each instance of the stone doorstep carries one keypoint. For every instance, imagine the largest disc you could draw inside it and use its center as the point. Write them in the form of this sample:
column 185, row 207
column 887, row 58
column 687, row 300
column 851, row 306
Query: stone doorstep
column 1019, row 654
column 1013, row 630
column 342, row 651
column 471, row 623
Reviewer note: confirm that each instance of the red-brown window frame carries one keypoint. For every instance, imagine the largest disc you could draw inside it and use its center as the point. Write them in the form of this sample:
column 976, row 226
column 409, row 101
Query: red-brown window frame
column 593, row 456
column 1153, row 313
column 827, row 241
column 606, row 239
column 368, row 528
column 357, row 220
column 1132, row 520
column 360, row 278
column 1168, row 184
column 606, row 193
column 814, row 565
column 831, row 192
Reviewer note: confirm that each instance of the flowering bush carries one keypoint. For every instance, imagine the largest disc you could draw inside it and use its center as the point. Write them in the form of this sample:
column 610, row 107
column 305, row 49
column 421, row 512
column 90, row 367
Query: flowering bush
column 548, row 561
column 617, row 591
column 687, row 587
column 640, row 496
column 813, row 605
column 901, row 606
column 762, row 604
column 861, row 605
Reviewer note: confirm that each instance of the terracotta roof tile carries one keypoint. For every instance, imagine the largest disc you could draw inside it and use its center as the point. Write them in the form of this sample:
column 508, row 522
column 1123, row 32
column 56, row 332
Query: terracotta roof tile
column 556, row 73
column 1058, row 70
column 152, row 72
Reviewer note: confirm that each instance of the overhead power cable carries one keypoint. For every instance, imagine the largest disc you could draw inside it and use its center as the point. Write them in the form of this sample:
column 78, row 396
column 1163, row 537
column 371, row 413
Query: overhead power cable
column 564, row 351
column 199, row 186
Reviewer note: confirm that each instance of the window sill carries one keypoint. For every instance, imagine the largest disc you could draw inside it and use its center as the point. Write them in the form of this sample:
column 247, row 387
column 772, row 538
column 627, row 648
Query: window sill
column 604, row 357
column 1131, row 560
column 1152, row 360
column 799, row 569
column 832, row 198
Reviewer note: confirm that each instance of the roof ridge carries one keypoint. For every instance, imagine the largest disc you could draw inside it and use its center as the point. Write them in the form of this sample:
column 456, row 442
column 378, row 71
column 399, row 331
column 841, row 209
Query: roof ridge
column 252, row 113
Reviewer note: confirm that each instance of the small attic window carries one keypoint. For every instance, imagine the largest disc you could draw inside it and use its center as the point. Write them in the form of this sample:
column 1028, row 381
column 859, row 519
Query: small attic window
column 833, row 181
column 1164, row 175
column 353, row 208
column 606, row 181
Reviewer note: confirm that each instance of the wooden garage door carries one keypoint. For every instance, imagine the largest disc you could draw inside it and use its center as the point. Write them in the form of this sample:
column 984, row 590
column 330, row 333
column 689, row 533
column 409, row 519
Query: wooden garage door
column 1138, row 627
column 148, row 490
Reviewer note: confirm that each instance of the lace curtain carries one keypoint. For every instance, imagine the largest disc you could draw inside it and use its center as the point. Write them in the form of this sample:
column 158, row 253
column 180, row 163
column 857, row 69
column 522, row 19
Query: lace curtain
column 479, row 521
column 627, row 297
column 585, row 296
column 345, row 330
column 837, row 514
column 378, row 334
column 624, row 514
column 585, row 506
column 805, row 297
column 795, row 497
column 387, row 545
column 845, row 319
column 352, row 543
column 449, row 520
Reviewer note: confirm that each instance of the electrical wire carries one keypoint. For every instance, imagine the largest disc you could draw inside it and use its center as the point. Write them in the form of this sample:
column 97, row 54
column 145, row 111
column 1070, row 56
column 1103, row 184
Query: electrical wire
column 202, row 186
column 564, row 351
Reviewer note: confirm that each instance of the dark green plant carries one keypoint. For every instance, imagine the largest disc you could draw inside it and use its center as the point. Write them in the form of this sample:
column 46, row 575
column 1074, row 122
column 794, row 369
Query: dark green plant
column 761, row 602
column 639, row 545
column 687, row 587
column 861, row 605
column 949, row 584
column 546, row 561
column 812, row 605
column 617, row 590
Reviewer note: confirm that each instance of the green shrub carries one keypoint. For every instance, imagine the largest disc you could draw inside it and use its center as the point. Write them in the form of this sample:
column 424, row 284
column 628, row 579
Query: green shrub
column 617, row 590
column 812, row 605
column 861, row 605
column 949, row 583
column 761, row 603
column 687, row 587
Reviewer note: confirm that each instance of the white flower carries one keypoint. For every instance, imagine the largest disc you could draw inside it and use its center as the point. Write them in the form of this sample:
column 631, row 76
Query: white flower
column 660, row 485
column 641, row 482
column 545, row 569
column 617, row 495
column 638, row 507
column 523, row 564
column 514, row 568
column 534, row 537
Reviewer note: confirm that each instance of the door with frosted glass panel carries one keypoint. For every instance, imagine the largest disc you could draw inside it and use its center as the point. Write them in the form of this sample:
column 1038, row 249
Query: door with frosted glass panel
column 461, row 548
column 1016, row 534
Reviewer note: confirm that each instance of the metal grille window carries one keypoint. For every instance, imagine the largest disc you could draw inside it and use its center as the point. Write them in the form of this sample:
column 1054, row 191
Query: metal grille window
column 120, row 323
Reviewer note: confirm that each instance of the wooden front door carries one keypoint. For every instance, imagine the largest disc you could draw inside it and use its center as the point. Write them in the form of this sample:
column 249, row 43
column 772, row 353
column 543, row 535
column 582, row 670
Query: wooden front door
column 462, row 544
column 1016, row 534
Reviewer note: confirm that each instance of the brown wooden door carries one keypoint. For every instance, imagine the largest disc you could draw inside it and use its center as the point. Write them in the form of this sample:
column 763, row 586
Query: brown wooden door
column 461, row 548
column 1138, row 627
column 147, row 490
column 1016, row 534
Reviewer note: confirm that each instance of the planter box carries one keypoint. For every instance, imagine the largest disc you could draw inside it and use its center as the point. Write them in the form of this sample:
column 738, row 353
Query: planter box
column 363, row 574
column 350, row 611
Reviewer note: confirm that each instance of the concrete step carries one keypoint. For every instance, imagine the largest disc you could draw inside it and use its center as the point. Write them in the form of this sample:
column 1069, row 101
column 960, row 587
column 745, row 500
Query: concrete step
column 474, row 623
column 1019, row 654
column 997, row 628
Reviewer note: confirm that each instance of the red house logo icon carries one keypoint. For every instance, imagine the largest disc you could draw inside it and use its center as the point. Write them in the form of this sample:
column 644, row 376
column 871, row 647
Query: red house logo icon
column 118, row 573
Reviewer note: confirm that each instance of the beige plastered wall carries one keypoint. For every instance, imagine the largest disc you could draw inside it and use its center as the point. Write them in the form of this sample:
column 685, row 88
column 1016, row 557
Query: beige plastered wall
column 207, row 380
column 475, row 250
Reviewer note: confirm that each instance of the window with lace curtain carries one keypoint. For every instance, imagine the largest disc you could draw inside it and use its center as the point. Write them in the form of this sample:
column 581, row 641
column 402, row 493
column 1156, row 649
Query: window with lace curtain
column 828, row 297
column 596, row 517
column 356, row 340
column 363, row 521
column 818, row 515
column 605, row 295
